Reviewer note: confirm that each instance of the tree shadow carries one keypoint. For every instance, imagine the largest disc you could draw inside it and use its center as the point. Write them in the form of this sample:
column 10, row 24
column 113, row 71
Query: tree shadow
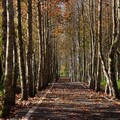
column 71, row 101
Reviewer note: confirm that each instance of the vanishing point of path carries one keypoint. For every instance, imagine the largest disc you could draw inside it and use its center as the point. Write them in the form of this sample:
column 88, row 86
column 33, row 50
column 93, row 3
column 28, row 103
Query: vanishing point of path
column 70, row 101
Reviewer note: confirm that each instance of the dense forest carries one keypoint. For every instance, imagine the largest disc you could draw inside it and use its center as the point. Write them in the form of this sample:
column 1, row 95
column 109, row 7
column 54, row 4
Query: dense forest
column 41, row 40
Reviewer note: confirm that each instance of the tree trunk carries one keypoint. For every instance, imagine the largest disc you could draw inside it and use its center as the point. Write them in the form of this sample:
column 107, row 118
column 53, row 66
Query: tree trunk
column 99, row 43
column 4, row 36
column 8, row 96
column 118, row 39
column 112, row 56
column 34, row 64
column 113, row 51
column 97, row 87
column 22, row 68
column 118, row 65
column 15, row 65
column 110, row 74
column 30, row 50
column 1, row 72
column 39, row 84
column 92, row 34
column 84, row 44
column 79, row 53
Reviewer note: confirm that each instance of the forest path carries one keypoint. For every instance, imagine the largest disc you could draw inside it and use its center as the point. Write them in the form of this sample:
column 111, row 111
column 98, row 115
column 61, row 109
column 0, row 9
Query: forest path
column 71, row 101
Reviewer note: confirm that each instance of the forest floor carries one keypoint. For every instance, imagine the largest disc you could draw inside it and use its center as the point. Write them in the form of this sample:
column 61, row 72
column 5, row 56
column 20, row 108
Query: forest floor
column 67, row 101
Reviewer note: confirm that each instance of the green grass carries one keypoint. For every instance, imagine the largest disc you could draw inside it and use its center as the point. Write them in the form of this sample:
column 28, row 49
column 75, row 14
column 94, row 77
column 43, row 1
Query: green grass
column 62, row 74
column 63, row 71
column 118, row 83
column 1, row 88
column 103, row 83
column 0, row 93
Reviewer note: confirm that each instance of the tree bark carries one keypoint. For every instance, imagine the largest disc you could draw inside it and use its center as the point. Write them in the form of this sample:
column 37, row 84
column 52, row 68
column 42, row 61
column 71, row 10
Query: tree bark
column 30, row 50
column 92, row 41
column 40, row 69
column 118, row 65
column 1, row 72
column 115, row 92
column 4, row 36
column 15, row 65
column 22, row 68
column 84, row 44
column 113, row 51
column 8, row 96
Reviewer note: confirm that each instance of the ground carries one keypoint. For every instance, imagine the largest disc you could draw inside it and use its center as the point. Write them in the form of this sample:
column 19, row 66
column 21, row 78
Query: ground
column 68, row 101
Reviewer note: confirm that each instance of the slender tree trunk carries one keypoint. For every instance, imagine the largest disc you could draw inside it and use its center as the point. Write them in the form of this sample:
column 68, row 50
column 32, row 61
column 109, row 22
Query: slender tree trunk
column 15, row 65
column 79, row 52
column 114, row 16
column 84, row 44
column 45, row 72
column 92, row 34
column 118, row 65
column 1, row 71
column 8, row 96
column 34, row 64
column 112, row 56
column 98, row 73
column 39, row 84
column 4, row 37
column 48, row 55
column 118, row 52
column 79, row 42
column 97, row 88
column 30, row 50
column 22, row 68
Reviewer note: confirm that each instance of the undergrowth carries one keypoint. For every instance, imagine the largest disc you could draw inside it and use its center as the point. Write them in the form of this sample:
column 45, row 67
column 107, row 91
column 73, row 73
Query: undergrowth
column 103, row 83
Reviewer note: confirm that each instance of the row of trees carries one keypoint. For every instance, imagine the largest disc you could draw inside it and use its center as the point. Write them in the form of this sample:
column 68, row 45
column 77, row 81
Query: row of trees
column 28, row 57
column 92, row 31
column 38, row 37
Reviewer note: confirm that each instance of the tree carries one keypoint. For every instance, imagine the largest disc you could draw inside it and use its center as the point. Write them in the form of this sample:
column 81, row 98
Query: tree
column 92, row 42
column 113, row 50
column 30, row 50
column 4, row 36
column 22, row 69
column 40, row 69
column 8, row 96
column 1, row 71
column 118, row 51
column 110, row 73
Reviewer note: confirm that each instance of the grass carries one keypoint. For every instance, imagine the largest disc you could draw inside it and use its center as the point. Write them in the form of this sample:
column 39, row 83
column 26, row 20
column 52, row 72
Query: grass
column 0, row 93
column 103, row 83
column 63, row 71
column 1, row 88
column 118, row 83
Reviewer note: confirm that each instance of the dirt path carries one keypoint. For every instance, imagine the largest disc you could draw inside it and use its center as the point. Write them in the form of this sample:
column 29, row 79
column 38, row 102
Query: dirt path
column 71, row 101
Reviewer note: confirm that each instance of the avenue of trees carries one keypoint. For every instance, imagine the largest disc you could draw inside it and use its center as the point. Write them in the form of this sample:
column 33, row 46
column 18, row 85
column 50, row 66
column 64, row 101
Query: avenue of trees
column 37, row 37
column 28, row 55
column 92, row 30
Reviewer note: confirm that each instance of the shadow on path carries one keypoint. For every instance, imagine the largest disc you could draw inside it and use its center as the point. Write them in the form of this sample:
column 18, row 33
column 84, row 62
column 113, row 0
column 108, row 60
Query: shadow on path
column 72, row 101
